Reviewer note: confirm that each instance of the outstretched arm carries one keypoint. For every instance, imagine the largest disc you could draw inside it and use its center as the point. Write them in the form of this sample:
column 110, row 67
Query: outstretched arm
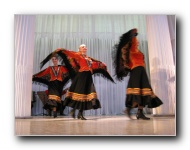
column 42, row 73
column 42, row 77
column 69, row 53
column 99, row 68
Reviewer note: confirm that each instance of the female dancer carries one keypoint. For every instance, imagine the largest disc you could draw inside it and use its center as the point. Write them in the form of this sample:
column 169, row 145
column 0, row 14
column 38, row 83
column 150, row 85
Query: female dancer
column 128, row 58
column 55, row 77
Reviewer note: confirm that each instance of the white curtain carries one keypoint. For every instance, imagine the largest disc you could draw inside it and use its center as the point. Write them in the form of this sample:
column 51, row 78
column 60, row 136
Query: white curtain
column 24, row 29
column 161, row 37
column 99, row 33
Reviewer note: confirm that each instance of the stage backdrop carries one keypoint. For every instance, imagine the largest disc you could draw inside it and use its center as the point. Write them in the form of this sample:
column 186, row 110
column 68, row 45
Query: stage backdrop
column 99, row 33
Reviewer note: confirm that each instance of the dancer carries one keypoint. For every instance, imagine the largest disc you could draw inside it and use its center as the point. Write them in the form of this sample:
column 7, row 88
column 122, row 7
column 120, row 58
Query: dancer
column 56, row 77
column 128, row 58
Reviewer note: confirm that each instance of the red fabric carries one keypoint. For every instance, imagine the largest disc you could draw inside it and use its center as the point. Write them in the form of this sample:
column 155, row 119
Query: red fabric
column 136, row 59
column 79, row 60
column 98, row 65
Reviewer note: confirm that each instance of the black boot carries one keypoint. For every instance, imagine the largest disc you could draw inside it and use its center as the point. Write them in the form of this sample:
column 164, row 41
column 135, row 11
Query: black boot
column 54, row 114
column 80, row 115
column 140, row 115
column 127, row 112
column 72, row 113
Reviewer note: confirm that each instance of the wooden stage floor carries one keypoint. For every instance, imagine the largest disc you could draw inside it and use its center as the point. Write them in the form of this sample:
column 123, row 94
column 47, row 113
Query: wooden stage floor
column 96, row 126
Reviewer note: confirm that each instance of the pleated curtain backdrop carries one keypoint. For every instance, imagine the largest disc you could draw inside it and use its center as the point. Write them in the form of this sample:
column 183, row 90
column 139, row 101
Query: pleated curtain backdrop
column 99, row 33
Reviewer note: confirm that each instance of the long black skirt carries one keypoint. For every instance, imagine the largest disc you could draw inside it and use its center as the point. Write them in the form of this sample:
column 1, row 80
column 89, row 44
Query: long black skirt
column 54, row 95
column 82, row 94
column 139, row 90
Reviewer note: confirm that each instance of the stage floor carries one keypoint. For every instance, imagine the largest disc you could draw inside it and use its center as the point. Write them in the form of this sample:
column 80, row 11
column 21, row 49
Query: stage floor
column 96, row 126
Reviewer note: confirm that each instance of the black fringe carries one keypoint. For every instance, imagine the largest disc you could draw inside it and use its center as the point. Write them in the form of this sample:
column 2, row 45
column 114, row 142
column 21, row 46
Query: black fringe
column 118, row 62
column 67, row 64
column 46, row 59
column 103, row 73
column 40, row 80
column 120, row 70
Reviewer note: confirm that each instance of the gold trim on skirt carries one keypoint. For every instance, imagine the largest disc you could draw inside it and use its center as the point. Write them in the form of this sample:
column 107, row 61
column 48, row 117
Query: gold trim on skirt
column 54, row 97
column 81, row 97
column 138, row 91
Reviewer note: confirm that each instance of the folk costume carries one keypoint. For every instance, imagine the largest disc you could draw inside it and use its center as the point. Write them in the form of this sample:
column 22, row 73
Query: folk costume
column 127, row 58
column 55, row 77
column 82, row 93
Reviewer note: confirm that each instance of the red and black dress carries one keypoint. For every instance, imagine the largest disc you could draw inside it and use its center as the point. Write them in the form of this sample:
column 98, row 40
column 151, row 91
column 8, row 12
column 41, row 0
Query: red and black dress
column 82, row 93
column 56, row 77
column 128, row 59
